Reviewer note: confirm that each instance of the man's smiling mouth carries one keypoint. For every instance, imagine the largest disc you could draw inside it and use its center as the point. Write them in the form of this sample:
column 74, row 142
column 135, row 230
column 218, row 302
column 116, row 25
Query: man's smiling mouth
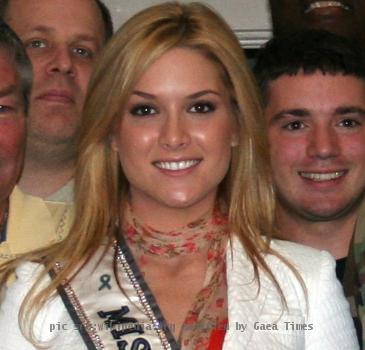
column 322, row 176
column 324, row 4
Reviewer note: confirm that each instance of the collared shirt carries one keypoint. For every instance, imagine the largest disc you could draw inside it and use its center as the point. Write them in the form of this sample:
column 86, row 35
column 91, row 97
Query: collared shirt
column 35, row 222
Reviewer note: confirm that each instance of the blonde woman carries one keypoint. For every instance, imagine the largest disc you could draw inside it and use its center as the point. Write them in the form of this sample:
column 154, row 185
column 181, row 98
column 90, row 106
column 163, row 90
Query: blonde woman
column 173, row 197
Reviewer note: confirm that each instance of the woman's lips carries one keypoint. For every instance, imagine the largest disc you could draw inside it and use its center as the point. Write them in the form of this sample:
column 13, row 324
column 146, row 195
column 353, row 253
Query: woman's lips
column 176, row 165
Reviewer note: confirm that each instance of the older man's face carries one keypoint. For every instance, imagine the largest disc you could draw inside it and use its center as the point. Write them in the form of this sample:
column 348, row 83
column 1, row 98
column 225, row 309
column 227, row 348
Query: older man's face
column 344, row 17
column 12, row 126
column 62, row 39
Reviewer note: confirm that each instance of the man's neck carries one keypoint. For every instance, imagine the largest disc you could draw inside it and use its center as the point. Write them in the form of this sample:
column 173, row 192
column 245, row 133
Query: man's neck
column 42, row 181
column 47, row 167
column 334, row 236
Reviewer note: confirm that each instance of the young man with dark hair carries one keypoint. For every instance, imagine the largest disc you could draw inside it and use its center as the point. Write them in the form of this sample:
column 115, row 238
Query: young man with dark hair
column 313, row 85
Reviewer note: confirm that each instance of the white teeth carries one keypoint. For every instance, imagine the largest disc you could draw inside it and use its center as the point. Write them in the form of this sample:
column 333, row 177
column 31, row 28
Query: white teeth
column 323, row 4
column 184, row 164
column 322, row 176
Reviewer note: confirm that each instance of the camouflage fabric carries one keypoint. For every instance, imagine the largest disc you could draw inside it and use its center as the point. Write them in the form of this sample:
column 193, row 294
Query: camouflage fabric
column 354, row 280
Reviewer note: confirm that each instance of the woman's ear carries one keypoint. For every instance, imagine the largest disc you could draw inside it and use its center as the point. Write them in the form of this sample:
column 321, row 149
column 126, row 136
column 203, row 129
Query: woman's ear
column 234, row 139
column 113, row 139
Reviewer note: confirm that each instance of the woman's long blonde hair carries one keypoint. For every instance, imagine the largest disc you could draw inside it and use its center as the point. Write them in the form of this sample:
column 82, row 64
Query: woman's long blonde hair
column 100, row 183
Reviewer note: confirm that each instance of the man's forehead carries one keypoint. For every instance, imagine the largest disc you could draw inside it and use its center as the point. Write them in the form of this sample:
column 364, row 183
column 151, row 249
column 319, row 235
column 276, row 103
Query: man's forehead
column 315, row 90
column 8, row 74
column 302, row 78
column 79, row 17
column 10, row 86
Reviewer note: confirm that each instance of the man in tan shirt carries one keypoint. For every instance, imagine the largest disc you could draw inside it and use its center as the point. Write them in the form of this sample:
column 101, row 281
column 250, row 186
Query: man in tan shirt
column 63, row 39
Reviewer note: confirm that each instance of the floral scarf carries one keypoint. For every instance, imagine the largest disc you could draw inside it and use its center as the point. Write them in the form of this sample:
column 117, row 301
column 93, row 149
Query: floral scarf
column 208, row 315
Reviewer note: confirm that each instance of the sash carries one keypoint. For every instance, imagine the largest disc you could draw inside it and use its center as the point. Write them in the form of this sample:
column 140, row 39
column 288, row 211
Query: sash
column 115, row 313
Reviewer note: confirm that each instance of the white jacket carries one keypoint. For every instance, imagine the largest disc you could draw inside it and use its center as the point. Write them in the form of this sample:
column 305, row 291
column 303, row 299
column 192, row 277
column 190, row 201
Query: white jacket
column 320, row 322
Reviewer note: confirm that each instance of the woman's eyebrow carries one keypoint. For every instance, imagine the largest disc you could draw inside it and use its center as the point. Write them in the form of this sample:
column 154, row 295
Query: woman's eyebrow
column 144, row 94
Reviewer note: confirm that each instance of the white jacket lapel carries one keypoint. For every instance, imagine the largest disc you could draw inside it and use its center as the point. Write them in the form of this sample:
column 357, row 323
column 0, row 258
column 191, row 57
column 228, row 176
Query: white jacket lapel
column 244, row 302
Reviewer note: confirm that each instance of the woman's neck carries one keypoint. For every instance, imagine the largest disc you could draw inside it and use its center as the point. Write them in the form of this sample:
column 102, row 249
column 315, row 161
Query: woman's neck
column 164, row 218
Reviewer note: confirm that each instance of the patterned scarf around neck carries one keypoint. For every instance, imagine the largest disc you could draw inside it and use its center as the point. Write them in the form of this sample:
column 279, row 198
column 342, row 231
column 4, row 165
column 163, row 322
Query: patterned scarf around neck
column 208, row 314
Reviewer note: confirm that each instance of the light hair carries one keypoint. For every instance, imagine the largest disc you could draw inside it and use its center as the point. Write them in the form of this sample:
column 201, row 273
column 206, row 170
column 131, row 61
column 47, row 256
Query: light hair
column 103, row 9
column 101, row 187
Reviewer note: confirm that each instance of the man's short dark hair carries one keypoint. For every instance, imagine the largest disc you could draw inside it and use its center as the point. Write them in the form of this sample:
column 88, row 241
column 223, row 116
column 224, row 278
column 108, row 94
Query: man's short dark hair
column 12, row 44
column 104, row 11
column 308, row 52
column 107, row 19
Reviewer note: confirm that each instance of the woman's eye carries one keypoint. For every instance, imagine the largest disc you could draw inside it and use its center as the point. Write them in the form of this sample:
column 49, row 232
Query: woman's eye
column 143, row 110
column 295, row 125
column 36, row 44
column 202, row 107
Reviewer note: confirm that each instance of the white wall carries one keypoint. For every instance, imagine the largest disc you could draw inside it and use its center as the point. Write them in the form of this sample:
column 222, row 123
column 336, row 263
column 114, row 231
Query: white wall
column 250, row 19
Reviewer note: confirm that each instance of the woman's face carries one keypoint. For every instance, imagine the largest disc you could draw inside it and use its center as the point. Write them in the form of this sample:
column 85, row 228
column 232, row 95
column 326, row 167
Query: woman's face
column 175, row 136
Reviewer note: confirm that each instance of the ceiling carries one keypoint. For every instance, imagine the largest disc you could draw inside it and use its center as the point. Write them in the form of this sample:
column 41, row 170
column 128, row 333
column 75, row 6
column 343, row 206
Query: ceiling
column 240, row 14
